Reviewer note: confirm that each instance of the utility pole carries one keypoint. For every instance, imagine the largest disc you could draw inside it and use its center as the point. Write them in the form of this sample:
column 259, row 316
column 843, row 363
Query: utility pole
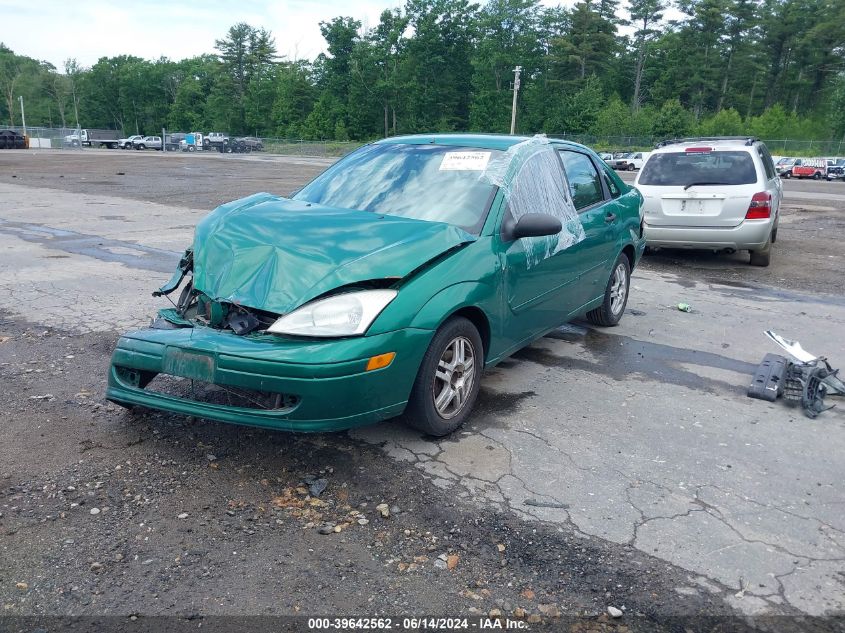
column 516, row 72
column 23, row 116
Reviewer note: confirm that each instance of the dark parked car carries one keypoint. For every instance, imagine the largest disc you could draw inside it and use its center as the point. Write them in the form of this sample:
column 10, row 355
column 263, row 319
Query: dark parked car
column 246, row 144
column 9, row 139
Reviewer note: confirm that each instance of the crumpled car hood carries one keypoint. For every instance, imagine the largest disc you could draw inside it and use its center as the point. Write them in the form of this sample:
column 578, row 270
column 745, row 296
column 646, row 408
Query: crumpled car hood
column 274, row 254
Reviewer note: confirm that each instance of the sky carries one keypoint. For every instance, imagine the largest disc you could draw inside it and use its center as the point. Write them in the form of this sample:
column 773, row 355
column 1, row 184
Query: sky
column 54, row 30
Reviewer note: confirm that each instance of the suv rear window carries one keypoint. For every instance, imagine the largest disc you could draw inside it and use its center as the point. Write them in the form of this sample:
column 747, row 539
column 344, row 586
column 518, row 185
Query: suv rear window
column 685, row 168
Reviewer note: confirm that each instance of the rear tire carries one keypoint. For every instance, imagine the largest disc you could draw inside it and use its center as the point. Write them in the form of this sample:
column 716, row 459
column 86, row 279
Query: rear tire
column 817, row 176
column 632, row 167
column 762, row 257
column 610, row 312
column 448, row 380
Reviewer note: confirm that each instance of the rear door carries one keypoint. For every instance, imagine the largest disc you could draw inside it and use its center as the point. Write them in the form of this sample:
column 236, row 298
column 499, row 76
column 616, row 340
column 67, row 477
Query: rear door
column 699, row 187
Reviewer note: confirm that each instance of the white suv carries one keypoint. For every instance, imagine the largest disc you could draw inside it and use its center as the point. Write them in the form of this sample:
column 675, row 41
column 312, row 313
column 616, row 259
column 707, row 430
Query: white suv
column 711, row 193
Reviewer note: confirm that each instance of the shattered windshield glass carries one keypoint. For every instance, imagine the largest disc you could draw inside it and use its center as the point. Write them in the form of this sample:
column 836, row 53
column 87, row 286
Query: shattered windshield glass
column 425, row 182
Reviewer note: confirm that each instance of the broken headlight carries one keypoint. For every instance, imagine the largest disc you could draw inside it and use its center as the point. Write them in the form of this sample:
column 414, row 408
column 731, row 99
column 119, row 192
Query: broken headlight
column 346, row 314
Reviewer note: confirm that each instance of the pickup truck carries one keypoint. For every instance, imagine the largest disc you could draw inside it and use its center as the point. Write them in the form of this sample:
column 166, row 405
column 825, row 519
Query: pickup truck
column 630, row 161
column 148, row 142
column 835, row 169
column 126, row 143
column 815, row 168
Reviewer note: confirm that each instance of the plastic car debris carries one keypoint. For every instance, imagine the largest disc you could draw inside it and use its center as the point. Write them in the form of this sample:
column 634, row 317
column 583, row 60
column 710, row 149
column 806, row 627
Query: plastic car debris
column 834, row 385
column 768, row 380
column 792, row 347
column 242, row 323
column 805, row 384
column 684, row 307
column 808, row 380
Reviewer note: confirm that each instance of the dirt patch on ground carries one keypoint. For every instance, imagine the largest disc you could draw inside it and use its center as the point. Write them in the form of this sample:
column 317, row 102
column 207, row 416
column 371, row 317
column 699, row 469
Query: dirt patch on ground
column 103, row 511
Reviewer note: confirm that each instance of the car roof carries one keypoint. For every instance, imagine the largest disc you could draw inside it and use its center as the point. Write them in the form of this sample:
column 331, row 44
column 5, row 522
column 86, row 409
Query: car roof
column 483, row 141
column 716, row 143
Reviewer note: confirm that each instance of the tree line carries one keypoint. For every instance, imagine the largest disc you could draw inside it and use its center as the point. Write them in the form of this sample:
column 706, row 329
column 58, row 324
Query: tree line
column 773, row 68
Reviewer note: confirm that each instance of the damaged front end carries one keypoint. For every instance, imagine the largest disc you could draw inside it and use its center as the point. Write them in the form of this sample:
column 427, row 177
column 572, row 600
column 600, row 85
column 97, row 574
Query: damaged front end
column 219, row 352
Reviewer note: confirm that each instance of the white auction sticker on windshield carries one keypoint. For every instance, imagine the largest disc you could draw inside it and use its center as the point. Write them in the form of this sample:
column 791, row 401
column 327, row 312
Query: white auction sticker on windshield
column 465, row 161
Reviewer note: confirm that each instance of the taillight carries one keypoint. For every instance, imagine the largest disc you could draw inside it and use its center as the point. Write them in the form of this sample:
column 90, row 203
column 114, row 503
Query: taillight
column 760, row 207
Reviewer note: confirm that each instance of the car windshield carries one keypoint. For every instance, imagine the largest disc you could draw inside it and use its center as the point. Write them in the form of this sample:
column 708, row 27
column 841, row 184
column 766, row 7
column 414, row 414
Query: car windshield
column 425, row 182
column 688, row 168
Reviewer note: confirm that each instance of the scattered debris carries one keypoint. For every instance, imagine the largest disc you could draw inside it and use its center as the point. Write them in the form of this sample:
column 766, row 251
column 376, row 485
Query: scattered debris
column 613, row 612
column 326, row 528
column 808, row 380
column 183, row 515
column 46, row 396
column 384, row 510
column 316, row 486
column 95, row 511
column 22, row 586
column 684, row 307
column 452, row 561
column 549, row 610
column 97, row 567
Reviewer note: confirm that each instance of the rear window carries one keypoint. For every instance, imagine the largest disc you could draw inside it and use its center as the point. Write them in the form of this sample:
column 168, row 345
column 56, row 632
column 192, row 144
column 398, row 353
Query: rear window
column 686, row 168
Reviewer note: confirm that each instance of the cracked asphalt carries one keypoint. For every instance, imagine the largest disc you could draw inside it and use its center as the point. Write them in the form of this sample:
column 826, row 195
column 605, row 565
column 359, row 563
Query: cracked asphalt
column 635, row 444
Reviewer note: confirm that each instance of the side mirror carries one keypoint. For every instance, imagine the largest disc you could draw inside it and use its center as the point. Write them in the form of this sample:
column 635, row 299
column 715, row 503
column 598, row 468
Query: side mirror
column 532, row 225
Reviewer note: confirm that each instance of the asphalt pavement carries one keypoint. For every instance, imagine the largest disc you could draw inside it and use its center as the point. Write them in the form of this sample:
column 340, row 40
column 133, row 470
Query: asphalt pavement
column 639, row 436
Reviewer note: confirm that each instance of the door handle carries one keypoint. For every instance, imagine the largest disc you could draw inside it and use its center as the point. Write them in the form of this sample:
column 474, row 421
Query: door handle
column 610, row 217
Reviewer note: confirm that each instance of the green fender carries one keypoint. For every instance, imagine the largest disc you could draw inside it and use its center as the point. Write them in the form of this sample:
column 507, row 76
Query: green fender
column 468, row 294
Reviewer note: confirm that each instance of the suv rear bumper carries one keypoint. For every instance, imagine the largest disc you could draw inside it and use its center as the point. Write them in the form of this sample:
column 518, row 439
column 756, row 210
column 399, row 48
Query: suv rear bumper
column 750, row 235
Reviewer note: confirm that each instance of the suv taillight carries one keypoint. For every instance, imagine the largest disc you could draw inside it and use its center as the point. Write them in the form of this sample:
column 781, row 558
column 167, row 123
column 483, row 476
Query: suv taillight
column 760, row 207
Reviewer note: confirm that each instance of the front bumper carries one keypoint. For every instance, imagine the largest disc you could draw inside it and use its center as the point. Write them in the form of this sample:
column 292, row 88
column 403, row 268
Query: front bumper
column 750, row 235
column 327, row 378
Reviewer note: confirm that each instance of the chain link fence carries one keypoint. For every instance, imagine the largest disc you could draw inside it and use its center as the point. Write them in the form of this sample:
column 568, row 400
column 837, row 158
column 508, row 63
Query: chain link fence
column 69, row 138
column 49, row 137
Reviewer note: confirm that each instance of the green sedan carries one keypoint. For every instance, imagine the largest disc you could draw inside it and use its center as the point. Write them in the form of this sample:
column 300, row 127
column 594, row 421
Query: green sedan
column 386, row 285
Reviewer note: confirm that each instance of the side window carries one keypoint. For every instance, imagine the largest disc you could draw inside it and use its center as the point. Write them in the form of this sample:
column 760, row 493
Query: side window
column 767, row 161
column 611, row 184
column 584, row 182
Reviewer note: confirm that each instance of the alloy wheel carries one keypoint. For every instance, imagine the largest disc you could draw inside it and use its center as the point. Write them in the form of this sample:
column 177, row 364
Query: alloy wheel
column 618, row 289
column 454, row 377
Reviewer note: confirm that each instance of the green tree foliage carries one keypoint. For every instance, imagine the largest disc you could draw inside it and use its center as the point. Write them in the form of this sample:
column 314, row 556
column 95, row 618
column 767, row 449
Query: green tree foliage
column 774, row 68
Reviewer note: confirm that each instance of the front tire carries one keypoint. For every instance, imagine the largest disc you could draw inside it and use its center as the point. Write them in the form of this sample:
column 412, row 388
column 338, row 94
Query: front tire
column 631, row 167
column 610, row 312
column 447, row 383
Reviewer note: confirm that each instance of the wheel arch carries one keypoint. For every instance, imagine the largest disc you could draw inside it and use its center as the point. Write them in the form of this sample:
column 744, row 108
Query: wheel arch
column 462, row 299
column 479, row 319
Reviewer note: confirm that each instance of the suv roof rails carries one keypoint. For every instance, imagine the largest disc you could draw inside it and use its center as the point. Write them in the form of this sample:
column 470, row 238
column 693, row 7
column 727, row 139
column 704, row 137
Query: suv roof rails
column 748, row 140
